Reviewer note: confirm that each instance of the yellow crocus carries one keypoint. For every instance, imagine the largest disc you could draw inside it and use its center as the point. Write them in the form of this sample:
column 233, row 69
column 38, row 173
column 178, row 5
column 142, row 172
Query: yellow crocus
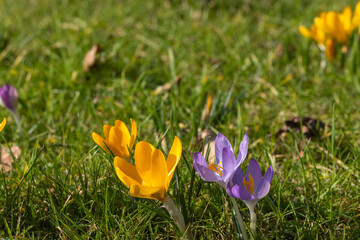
column 331, row 27
column 316, row 31
column 2, row 125
column 117, row 138
column 151, row 175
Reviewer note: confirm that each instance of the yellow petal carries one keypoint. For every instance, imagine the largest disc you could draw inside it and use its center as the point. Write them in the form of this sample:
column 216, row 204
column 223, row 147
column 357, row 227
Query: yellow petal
column 115, row 136
column 126, row 172
column 330, row 49
column 99, row 140
column 118, row 139
column 143, row 154
column 319, row 22
column 125, row 135
column 345, row 18
column 334, row 27
column 355, row 22
column 357, row 9
column 2, row 125
column 105, row 145
column 323, row 15
column 318, row 34
column 304, row 31
column 106, row 129
column 133, row 133
column 159, row 172
column 118, row 123
column 142, row 191
column 173, row 159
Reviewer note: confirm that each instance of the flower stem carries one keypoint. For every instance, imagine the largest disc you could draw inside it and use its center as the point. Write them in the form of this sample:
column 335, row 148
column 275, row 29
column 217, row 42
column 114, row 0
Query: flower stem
column 239, row 218
column 17, row 119
column 177, row 217
column 253, row 222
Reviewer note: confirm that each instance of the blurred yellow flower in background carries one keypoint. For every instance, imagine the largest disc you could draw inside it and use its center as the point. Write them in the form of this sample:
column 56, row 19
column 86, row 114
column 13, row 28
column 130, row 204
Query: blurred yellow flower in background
column 333, row 27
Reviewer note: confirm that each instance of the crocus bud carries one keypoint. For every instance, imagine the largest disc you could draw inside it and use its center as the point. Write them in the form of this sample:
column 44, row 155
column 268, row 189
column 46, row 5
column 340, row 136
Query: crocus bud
column 9, row 97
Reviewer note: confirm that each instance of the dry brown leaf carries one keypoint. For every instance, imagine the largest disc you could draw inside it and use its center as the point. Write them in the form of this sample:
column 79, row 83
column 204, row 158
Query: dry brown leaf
column 209, row 138
column 212, row 157
column 166, row 87
column 7, row 159
column 90, row 58
column 164, row 144
column 160, row 89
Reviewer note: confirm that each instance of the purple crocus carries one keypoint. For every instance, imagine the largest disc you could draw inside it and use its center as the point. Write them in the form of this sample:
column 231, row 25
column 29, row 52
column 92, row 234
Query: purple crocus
column 224, row 169
column 226, row 163
column 250, row 187
column 9, row 97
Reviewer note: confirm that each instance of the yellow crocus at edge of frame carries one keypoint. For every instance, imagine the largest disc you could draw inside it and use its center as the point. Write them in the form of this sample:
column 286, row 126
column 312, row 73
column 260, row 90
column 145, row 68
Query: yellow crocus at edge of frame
column 3, row 123
column 151, row 175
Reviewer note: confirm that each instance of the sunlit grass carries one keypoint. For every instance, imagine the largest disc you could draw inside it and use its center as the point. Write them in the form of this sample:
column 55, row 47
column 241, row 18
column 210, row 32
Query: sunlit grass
column 248, row 55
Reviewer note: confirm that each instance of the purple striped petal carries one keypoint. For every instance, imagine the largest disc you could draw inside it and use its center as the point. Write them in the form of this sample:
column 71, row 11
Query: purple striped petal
column 202, row 168
column 221, row 142
column 238, row 177
column 228, row 163
column 228, row 188
column 255, row 171
column 241, row 193
column 243, row 148
column 264, row 186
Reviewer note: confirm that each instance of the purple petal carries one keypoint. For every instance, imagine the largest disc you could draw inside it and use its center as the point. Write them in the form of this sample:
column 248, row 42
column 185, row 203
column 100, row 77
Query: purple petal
column 221, row 142
column 9, row 97
column 240, row 192
column 255, row 171
column 228, row 189
column 228, row 163
column 202, row 168
column 237, row 177
column 243, row 148
column 264, row 186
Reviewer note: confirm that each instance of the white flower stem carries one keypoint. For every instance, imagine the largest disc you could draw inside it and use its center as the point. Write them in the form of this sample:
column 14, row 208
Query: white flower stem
column 239, row 218
column 253, row 222
column 17, row 119
column 177, row 217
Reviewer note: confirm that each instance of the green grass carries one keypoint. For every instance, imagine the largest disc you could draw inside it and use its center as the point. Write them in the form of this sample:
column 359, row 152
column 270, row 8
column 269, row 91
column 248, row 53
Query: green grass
column 63, row 187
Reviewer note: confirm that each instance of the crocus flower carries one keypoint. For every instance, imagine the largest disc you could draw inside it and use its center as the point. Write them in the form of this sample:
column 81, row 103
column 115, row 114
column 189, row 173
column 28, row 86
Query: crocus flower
column 250, row 187
column 225, row 167
column 9, row 97
column 331, row 27
column 2, row 125
column 117, row 138
column 151, row 175
column 226, row 163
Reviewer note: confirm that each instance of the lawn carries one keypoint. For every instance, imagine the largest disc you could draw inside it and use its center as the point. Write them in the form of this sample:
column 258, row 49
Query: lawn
column 159, row 63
